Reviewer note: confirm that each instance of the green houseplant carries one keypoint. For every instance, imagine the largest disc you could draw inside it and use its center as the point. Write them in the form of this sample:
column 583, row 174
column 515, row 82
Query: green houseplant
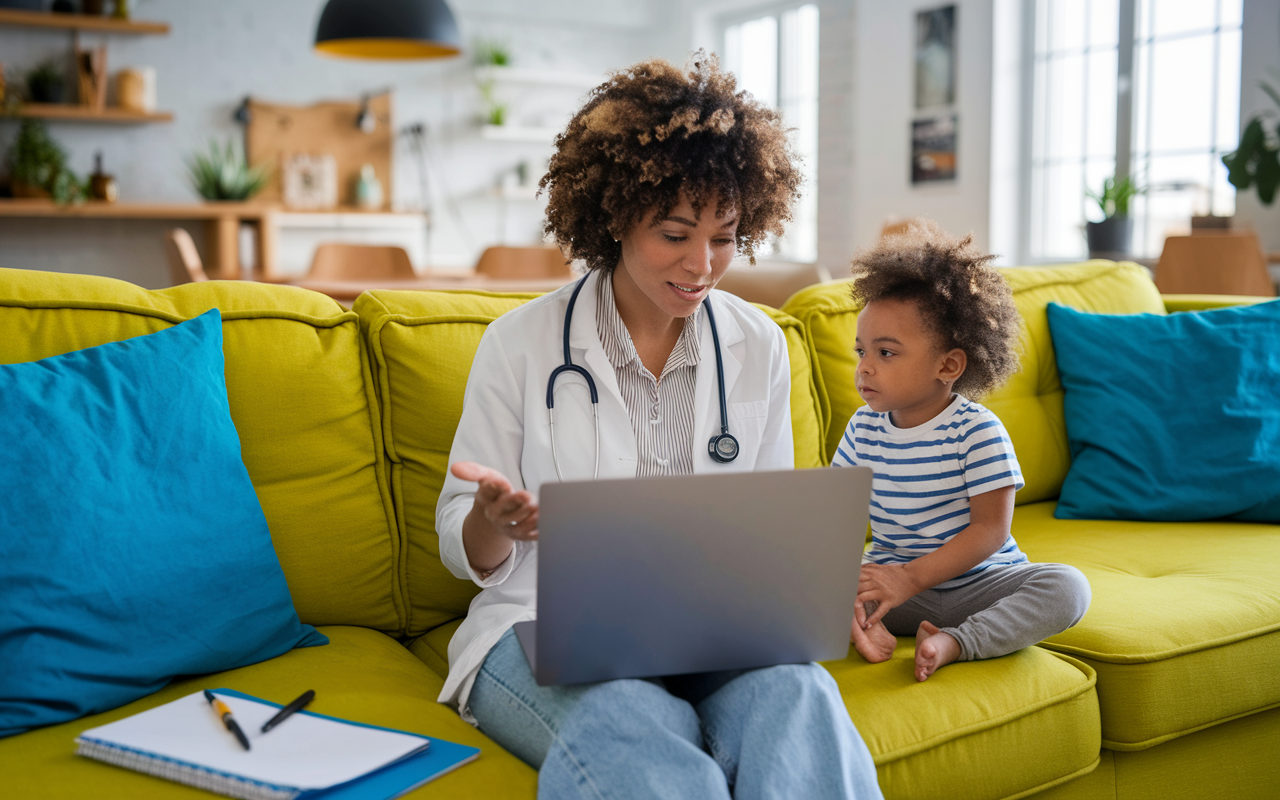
column 1112, row 235
column 46, row 83
column 222, row 174
column 38, row 166
column 1257, row 160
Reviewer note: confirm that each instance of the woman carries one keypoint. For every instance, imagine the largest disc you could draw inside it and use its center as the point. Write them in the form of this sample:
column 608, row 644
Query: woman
column 657, row 182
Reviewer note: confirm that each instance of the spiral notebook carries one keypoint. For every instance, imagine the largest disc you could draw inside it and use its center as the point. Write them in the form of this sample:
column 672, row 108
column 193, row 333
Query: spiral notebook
column 307, row 756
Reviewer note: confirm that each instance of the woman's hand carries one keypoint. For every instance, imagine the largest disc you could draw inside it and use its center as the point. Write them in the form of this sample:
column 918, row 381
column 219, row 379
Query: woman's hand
column 499, row 516
column 887, row 585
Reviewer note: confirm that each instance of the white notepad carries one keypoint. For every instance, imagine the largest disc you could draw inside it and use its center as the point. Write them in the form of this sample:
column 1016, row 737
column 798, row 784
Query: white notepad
column 185, row 741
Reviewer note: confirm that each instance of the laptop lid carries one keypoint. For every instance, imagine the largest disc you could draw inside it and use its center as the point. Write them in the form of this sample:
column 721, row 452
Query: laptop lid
column 663, row 576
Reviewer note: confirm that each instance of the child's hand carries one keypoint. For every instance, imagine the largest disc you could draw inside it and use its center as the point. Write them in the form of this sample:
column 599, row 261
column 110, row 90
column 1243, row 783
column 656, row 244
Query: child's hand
column 887, row 585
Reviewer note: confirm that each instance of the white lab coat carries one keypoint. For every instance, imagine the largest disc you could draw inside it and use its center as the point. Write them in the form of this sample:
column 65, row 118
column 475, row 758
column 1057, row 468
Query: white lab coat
column 504, row 426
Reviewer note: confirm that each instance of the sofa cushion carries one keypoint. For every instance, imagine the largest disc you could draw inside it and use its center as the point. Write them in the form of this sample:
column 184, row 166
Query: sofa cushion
column 422, row 345
column 361, row 675
column 998, row 728
column 1030, row 403
column 1145, row 448
column 301, row 397
column 1184, row 627
column 121, row 480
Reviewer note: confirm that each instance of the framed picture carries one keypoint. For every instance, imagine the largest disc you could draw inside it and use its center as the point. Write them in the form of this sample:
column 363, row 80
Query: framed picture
column 936, row 57
column 310, row 181
column 933, row 149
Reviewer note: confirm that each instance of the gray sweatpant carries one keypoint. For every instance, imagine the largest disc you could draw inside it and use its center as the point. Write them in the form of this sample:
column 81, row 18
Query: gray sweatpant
column 1006, row 609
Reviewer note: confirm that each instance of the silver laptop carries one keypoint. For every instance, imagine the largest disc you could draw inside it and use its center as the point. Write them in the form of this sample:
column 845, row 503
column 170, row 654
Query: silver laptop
column 666, row 576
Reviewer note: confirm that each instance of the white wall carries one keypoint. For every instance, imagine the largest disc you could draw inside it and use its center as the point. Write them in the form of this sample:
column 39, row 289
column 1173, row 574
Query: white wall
column 218, row 52
column 884, row 106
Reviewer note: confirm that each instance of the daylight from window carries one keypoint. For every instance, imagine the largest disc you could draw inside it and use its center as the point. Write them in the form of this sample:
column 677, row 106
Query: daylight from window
column 1185, row 82
column 775, row 58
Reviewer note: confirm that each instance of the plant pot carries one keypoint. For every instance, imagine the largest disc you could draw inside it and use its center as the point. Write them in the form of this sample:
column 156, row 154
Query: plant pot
column 1110, row 238
column 46, row 90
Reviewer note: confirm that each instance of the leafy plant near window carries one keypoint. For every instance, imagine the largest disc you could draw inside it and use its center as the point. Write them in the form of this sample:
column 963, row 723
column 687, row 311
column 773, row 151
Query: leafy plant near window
column 1257, row 159
column 222, row 174
column 495, row 113
column 1114, row 198
column 38, row 166
column 492, row 53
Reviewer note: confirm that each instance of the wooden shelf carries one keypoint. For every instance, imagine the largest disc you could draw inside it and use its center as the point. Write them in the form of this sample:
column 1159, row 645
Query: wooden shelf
column 79, row 22
column 103, row 210
column 66, row 112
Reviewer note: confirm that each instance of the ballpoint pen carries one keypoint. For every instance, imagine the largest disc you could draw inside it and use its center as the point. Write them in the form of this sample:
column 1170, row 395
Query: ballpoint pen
column 284, row 713
column 227, row 720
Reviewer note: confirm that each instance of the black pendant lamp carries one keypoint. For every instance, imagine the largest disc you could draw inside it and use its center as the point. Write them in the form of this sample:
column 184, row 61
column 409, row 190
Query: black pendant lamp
column 388, row 29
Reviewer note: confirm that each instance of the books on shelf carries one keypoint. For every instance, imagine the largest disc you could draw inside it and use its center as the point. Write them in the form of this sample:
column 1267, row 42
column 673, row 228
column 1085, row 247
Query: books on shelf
column 307, row 755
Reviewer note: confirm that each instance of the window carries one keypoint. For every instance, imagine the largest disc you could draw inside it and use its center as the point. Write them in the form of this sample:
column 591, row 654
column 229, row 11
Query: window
column 1182, row 60
column 775, row 57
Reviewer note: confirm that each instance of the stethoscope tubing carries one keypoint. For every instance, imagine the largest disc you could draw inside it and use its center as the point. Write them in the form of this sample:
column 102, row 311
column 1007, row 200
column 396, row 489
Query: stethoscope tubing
column 722, row 448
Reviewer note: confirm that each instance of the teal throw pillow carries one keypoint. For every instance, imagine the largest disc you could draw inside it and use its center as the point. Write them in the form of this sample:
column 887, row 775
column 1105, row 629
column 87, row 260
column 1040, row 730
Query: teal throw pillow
column 132, row 545
column 1171, row 417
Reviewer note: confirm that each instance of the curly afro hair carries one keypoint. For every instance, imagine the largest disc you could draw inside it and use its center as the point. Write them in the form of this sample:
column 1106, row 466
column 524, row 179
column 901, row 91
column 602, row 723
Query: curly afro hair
column 652, row 132
column 965, row 302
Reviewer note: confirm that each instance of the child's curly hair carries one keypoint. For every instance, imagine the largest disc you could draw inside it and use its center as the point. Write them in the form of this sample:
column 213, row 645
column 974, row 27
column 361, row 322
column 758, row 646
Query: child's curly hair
column 966, row 302
column 653, row 131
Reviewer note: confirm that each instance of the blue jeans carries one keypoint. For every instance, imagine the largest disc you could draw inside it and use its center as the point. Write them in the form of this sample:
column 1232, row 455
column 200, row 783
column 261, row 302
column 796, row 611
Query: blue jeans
column 778, row 732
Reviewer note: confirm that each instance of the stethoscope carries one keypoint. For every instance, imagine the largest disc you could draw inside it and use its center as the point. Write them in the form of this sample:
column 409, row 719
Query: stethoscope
column 722, row 447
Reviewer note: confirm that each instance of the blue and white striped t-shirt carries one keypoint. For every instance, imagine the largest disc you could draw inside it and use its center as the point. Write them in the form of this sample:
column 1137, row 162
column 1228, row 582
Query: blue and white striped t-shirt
column 924, row 477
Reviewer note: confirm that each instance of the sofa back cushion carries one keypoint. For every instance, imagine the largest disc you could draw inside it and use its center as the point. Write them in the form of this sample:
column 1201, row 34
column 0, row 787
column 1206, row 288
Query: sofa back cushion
column 302, row 400
column 1030, row 403
column 421, row 346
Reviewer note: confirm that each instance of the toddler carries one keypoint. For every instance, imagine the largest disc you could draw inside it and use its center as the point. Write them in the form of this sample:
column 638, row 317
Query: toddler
column 937, row 327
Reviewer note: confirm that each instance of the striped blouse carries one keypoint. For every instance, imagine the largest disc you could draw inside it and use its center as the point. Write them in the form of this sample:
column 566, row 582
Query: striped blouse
column 924, row 477
column 661, row 409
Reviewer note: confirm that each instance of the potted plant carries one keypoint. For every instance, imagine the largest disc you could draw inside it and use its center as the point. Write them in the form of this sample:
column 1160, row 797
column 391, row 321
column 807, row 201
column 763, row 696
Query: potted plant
column 38, row 166
column 1257, row 159
column 1113, row 235
column 45, row 83
column 222, row 174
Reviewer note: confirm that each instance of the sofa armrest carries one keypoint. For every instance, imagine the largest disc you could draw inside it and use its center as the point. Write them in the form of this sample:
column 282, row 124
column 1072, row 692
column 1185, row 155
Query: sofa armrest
column 1203, row 302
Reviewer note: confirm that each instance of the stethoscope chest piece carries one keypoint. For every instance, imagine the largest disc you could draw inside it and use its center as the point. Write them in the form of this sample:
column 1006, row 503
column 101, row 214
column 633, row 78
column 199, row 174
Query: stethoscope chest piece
column 723, row 448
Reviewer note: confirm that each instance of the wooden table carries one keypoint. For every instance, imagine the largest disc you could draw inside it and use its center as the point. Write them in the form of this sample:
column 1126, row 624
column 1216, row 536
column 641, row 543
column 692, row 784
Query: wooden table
column 347, row 291
column 223, row 220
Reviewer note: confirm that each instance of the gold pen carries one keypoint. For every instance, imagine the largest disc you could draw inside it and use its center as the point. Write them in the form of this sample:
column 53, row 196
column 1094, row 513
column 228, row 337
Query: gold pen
column 227, row 720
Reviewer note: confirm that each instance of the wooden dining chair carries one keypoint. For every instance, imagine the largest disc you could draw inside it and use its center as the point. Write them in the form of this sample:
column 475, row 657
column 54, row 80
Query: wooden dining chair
column 184, row 259
column 1214, row 263
column 523, row 262
column 359, row 262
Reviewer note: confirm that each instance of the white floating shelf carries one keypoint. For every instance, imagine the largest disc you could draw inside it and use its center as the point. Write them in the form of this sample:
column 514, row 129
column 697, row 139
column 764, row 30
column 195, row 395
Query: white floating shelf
column 529, row 192
column 540, row 77
column 518, row 133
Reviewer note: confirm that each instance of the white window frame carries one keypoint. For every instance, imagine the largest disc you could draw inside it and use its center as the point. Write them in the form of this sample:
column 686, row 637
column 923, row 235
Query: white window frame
column 1126, row 148
column 796, row 245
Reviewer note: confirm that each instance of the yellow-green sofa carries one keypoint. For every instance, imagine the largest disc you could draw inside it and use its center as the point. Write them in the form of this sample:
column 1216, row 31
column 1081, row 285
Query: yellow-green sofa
column 1168, row 688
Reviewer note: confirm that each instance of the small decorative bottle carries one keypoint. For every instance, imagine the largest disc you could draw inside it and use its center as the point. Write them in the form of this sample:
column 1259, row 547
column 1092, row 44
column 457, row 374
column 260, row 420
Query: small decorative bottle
column 101, row 185
column 368, row 189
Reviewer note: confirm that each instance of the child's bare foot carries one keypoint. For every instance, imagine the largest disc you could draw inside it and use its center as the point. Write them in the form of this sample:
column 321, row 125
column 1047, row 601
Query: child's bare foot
column 876, row 644
column 934, row 650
